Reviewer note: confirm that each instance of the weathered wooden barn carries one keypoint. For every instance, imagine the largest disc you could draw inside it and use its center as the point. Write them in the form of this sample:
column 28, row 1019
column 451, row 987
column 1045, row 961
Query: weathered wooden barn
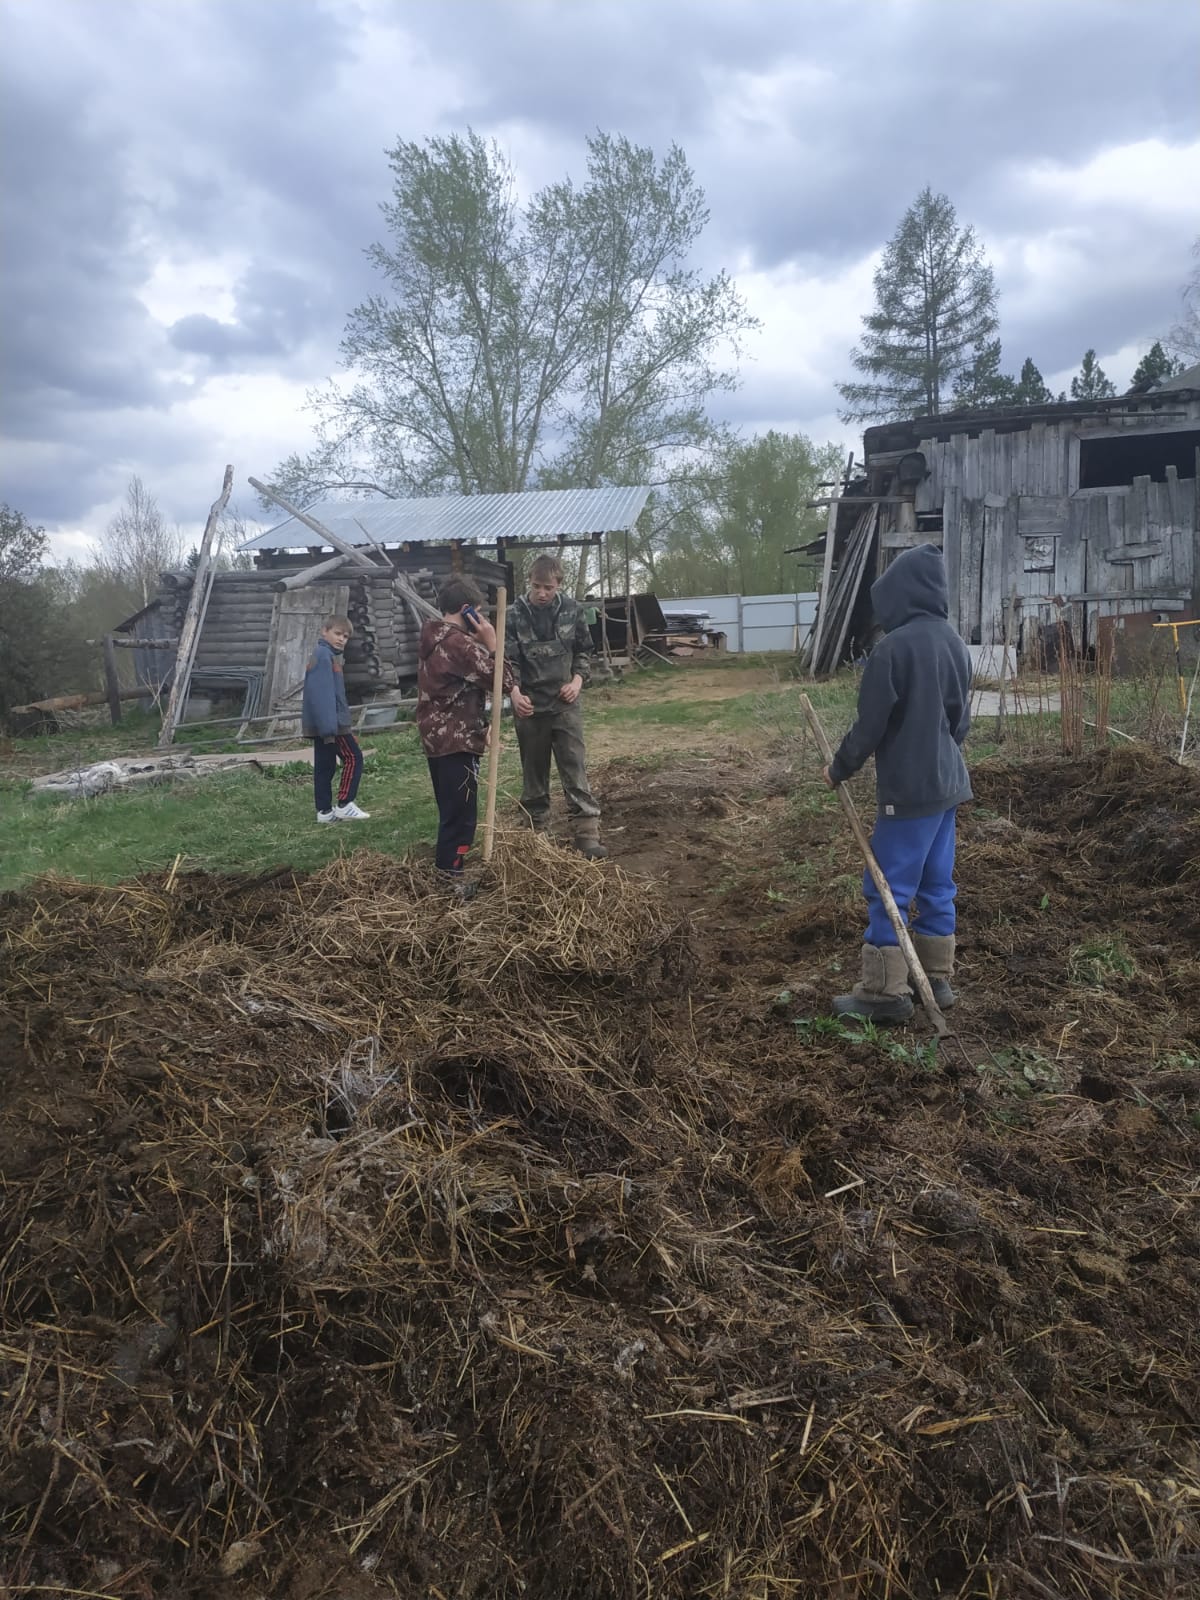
column 1086, row 511
column 257, row 626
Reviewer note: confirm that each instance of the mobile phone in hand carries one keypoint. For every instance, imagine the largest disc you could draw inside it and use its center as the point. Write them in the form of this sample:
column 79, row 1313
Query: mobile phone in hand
column 472, row 616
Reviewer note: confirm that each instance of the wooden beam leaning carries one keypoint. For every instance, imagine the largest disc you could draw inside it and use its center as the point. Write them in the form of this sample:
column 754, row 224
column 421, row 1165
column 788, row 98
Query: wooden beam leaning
column 190, row 631
column 819, row 621
column 307, row 575
column 351, row 551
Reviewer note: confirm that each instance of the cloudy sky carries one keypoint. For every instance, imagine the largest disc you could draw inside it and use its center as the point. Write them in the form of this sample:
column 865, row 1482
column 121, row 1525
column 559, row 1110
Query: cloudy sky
column 189, row 186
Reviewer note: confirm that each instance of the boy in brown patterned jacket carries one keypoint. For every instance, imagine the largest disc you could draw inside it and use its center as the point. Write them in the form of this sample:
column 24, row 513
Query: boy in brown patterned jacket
column 454, row 676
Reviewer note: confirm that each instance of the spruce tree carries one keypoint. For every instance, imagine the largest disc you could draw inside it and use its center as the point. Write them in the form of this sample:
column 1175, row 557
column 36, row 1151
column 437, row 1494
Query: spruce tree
column 934, row 316
column 1091, row 382
column 982, row 384
column 1154, row 366
column 1031, row 387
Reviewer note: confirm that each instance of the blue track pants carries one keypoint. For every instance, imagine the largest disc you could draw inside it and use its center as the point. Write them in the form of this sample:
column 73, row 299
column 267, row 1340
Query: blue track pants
column 917, row 858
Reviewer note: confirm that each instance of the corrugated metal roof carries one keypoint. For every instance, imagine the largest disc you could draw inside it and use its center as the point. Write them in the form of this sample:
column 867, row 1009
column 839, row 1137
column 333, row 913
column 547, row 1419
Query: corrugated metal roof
column 474, row 519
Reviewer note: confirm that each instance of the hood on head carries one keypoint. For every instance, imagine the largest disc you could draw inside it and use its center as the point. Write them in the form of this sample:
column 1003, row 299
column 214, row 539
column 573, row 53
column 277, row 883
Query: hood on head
column 913, row 586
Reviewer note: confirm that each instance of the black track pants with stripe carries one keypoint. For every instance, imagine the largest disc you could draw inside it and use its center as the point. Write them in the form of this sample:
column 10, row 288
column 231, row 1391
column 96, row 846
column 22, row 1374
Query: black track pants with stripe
column 326, row 755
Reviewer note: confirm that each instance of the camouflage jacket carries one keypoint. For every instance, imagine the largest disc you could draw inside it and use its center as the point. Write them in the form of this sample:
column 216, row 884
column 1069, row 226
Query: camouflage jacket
column 454, row 675
column 543, row 665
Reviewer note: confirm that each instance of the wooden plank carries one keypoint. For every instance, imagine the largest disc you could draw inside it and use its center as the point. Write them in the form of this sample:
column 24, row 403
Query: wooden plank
column 1134, row 552
column 193, row 617
column 856, row 580
column 951, row 549
column 1043, row 516
column 929, row 496
column 1011, row 575
column 985, row 456
column 971, row 568
column 1055, row 466
column 1137, row 512
column 1037, row 452
column 823, row 589
column 992, row 561
column 1097, row 595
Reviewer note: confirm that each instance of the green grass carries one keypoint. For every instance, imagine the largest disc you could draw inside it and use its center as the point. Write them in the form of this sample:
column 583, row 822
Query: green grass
column 250, row 821
column 245, row 821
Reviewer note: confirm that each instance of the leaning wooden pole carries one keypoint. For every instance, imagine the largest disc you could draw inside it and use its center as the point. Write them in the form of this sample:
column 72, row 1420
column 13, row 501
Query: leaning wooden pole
column 355, row 552
column 493, row 773
column 916, row 970
column 820, row 621
column 191, row 617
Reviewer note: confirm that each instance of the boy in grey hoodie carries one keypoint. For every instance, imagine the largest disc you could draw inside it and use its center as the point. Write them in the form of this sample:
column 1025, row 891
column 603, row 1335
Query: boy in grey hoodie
column 914, row 710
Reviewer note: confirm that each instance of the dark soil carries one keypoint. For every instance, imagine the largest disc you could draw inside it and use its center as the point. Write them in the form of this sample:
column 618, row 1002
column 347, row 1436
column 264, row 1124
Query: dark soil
column 558, row 1247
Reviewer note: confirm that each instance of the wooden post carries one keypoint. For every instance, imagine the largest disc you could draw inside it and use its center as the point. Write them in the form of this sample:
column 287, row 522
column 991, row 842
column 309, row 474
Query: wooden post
column 493, row 774
column 112, row 683
column 338, row 543
column 916, row 970
column 188, row 634
column 818, row 627
column 605, row 592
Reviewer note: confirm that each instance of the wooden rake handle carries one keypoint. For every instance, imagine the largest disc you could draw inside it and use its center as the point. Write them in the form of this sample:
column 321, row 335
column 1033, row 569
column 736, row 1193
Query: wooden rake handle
column 917, row 971
column 493, row 770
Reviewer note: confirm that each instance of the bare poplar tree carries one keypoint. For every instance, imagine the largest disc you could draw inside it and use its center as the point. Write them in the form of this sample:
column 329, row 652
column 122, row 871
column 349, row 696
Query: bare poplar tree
column 565, row 341
column 138, row 544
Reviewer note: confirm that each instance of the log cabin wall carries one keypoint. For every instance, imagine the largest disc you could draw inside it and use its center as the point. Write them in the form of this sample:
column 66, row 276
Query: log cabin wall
column 237, row 628
column 1033, row 514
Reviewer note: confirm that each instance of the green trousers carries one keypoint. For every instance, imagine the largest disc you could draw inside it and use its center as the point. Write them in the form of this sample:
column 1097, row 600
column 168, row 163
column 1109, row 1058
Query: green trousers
column 557, row 733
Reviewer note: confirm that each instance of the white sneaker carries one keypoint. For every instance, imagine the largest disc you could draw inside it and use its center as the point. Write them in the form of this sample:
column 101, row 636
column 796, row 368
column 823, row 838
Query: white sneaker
column 326, row 816
column 351, row 813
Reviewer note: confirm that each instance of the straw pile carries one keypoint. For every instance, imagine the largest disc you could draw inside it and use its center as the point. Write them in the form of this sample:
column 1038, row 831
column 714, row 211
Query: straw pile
column 359, row 1243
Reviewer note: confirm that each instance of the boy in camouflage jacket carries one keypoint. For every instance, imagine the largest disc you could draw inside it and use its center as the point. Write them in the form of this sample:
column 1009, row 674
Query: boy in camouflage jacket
column 549, row 648
column 454, row 674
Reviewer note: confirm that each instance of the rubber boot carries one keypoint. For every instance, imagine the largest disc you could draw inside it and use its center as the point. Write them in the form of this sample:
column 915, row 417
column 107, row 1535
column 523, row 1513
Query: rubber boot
column 538, row 821
column 587, row 839
column 936, row 955
column 881, row 995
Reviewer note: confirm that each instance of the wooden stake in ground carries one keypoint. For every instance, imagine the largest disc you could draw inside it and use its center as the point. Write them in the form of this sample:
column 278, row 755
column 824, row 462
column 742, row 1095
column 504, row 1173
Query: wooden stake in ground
column 916, row 970
column 493, row 772
column 189, row 633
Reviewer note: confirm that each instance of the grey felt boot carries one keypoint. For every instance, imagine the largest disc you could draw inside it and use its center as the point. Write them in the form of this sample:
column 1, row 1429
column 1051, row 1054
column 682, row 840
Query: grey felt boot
column 936, row 955
column 881, row 994
column 587, row 838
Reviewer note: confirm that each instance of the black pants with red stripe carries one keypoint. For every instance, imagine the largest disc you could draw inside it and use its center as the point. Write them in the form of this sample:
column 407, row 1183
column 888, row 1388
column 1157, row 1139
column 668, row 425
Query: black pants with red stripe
column 326, row 755
column 456, row 790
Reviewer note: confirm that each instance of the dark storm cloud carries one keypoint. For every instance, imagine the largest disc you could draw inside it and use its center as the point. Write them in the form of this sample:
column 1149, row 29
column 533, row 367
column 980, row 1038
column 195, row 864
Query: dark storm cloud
column 157, row 138
column 876, row 101
column 276, row 313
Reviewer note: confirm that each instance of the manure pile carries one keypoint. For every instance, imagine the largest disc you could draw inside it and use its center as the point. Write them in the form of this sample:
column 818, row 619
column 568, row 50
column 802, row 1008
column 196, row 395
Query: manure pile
column 359, row 1244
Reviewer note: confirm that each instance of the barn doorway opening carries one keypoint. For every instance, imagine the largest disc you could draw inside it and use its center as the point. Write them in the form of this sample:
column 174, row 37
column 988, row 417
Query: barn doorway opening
column 1114, row 462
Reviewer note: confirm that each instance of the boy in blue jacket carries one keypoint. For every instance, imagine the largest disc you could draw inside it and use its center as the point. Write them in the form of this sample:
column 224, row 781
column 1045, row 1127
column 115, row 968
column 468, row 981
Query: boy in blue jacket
column 325, row 719
column 914, row 710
